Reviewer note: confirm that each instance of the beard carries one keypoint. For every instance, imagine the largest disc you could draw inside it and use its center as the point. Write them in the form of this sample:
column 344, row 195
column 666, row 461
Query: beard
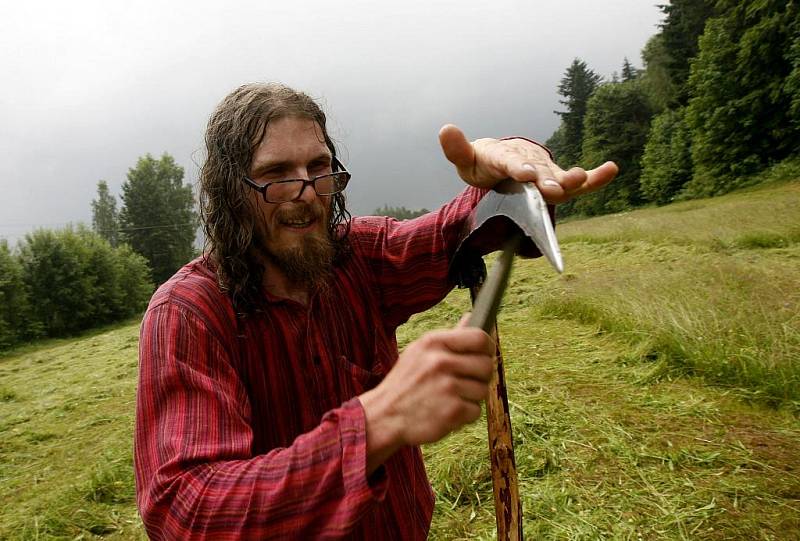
column 308, row 263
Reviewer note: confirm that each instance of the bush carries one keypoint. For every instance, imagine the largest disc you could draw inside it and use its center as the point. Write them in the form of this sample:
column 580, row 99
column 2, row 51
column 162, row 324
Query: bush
column 77, row 281
column 14, row 306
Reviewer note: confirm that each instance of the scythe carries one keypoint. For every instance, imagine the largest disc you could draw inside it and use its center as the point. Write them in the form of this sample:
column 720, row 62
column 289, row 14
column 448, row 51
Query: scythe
column 515, row 213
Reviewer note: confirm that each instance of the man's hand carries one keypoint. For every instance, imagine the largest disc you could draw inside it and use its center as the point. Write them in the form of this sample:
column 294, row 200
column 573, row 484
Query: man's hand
column 485, row 162
column 436, row 387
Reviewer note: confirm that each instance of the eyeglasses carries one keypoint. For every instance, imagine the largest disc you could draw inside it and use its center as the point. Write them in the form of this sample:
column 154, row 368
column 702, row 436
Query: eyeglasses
column 281, row 191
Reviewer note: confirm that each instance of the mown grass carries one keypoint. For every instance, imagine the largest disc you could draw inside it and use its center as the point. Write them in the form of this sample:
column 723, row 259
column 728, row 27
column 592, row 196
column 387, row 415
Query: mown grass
column 66, row 420
column 719, row 296
column 626, row 377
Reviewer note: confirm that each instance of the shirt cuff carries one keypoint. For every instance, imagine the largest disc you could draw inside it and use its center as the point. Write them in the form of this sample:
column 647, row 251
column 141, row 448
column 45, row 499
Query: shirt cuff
column 353, row 426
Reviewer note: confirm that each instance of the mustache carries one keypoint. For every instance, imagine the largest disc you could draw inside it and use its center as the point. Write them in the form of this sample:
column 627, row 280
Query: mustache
column 301, row 211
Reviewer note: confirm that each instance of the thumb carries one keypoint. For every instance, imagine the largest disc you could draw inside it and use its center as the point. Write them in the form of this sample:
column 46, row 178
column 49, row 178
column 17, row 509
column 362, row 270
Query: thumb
column 456, row 147
column 463, row 321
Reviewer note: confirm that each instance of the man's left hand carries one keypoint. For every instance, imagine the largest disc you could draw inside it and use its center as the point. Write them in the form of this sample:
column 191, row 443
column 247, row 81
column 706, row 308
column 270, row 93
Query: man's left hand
column 485, row 162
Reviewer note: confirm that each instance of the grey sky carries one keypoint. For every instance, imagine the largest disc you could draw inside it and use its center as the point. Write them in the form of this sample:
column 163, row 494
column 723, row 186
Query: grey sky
column 90, row 86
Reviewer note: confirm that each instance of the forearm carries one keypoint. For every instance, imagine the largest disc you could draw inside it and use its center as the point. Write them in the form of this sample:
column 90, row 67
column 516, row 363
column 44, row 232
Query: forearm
column 315, row 488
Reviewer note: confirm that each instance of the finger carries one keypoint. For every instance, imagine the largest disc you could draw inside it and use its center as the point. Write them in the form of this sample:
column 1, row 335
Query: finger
column 471, row 412
column 546, row 182
column 573, row 179
column 467, row 340
column 471, row 389
column 600, row 176
column 569, row 185
column 464, row 320
column 456, row 147
column 474, row 367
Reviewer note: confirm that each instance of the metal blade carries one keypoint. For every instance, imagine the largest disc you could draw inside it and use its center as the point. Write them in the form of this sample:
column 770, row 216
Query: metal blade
column 522, row 203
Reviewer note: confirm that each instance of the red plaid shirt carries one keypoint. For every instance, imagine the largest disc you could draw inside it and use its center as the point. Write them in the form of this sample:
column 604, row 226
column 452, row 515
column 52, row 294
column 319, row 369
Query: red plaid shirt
column 248, row 428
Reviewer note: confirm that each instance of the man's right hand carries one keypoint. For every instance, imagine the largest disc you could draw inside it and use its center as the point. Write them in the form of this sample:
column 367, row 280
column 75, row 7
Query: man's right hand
column 435, row 388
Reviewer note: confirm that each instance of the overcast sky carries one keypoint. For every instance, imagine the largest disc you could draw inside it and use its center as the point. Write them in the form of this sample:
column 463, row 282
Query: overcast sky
column 89, row 86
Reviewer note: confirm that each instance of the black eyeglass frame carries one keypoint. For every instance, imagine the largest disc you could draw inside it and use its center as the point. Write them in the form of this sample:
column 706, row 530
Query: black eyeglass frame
column 340, row 169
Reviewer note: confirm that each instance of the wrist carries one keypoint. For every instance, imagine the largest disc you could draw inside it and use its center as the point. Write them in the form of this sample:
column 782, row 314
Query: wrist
column 384, row 430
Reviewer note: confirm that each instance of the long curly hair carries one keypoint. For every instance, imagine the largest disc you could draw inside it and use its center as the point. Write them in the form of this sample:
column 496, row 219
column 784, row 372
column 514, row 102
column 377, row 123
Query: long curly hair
column 227, row 213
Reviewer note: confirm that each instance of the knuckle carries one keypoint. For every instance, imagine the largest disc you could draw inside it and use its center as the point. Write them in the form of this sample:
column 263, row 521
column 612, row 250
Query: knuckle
column 473, row 413
column 449, row 386
column 452, row 414
column 440, row 363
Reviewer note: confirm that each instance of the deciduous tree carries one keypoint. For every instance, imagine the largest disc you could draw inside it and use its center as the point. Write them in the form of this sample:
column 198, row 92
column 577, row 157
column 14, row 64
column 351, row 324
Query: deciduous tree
column 401, row 213
column 615, row 128
column 667, row 159
column 15, row 323
column 742, row 97
column 157, row 217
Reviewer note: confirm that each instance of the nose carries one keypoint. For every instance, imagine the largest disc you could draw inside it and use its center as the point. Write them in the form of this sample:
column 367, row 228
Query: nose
column 308, row 193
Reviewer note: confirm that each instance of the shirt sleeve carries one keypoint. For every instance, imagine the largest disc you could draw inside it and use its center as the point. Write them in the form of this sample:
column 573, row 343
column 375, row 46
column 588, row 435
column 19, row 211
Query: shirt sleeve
column 195, row 474
column 410, row 259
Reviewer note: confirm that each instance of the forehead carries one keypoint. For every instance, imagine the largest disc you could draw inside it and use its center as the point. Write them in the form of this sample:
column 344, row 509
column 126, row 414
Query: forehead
column 290, row 138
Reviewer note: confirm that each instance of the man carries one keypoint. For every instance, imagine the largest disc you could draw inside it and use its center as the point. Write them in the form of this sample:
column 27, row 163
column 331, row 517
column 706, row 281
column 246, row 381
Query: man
column 272, row 402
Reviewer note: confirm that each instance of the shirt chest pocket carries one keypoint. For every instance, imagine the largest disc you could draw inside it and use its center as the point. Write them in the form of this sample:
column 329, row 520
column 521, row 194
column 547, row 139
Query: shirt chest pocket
column 355, row 380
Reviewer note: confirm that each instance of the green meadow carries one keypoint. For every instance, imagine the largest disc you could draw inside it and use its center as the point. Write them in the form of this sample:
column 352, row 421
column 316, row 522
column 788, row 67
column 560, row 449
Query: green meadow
column 654, row 391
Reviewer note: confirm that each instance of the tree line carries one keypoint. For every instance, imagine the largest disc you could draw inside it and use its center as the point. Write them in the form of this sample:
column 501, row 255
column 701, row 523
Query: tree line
column 60, row 282
column 401, row 213
column 716, row 103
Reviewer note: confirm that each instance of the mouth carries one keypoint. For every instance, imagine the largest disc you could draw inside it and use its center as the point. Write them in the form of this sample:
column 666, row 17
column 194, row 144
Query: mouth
column 299, row 222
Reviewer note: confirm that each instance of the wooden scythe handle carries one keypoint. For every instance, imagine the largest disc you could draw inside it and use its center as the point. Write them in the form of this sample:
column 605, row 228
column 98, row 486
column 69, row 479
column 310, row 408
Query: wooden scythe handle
column 507, row 505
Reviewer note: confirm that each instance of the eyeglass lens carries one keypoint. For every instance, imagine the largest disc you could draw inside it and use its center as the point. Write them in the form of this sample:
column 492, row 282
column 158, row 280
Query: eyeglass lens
column 288, row 191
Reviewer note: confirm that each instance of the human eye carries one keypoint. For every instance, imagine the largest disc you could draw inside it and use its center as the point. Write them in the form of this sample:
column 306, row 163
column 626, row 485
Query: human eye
column 267, row 177
column 320, row 167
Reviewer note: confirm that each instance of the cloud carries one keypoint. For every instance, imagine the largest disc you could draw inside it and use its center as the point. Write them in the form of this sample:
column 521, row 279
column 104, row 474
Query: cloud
column 91, row 86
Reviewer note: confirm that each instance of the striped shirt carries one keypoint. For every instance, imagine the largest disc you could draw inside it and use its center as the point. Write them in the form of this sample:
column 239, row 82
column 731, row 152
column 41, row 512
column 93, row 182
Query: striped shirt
column 250, row 427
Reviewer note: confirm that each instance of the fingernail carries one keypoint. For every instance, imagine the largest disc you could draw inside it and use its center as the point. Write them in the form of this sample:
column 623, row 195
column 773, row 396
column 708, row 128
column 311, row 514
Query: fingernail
column 551, row 183
column 528, row 166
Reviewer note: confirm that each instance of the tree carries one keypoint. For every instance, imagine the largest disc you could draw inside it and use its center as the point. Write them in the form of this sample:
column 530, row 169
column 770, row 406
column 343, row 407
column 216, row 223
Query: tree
column 684, row 22
column 656, row 78
column 401, row 213
column 615, row 128
column 577, row 86
column 15, row 323
column 740, row 91
column 157, row 218
column 629, row 73
column 76, row 280
column 105, row 220
column 667, row 159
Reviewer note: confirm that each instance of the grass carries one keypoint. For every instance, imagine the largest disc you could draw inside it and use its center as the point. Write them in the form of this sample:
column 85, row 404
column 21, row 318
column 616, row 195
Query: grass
column 66, row 420
column 653, row 389
column 717, row 298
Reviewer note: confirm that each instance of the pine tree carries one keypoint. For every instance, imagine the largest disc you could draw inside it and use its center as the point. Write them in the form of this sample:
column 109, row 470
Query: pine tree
column 684, row 22
column 105, row 219
column 158, row 218
column 629, row 73
column 577, row 86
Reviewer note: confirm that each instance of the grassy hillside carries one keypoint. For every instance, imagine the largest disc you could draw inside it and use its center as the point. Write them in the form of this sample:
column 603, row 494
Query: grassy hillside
column 654, row 387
